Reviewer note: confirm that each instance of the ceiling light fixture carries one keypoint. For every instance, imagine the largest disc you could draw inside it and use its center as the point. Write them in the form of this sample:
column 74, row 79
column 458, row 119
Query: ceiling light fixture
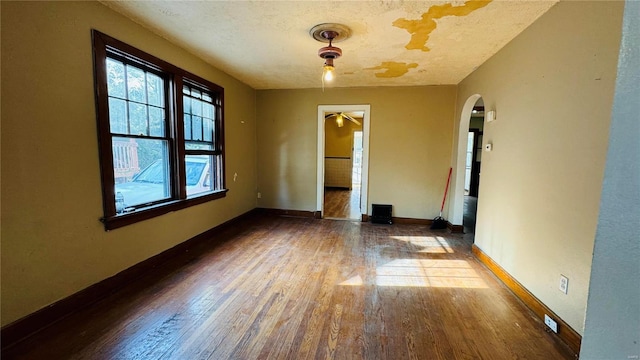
column 340, row 120
column 340, row 117
column 329, row 33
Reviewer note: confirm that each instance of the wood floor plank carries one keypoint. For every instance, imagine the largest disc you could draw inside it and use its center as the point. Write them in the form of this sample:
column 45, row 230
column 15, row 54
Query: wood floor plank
column 289, row 288
column 342, row 203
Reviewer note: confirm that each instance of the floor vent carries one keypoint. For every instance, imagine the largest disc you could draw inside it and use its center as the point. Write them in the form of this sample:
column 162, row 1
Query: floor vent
column 381, row 214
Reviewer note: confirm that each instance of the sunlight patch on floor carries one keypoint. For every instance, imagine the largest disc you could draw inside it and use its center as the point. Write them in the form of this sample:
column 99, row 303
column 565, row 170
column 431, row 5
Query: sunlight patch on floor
column 354, row 281
column 424, row 273
column 429, row 244
column 429, row 273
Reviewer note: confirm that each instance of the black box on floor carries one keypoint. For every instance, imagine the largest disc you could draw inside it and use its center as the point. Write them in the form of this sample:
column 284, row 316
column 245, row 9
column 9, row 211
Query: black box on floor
column 381, row 214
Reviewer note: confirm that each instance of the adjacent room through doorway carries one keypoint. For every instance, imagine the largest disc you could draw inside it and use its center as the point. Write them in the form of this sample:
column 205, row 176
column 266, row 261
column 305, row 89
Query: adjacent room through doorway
column 343, row 165
column 472, row 166
column 342, row 161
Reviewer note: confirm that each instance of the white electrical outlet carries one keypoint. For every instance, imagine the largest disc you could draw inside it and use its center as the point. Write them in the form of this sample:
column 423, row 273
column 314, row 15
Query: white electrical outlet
column 551, row 323
column 259, row 195
column 564, row 284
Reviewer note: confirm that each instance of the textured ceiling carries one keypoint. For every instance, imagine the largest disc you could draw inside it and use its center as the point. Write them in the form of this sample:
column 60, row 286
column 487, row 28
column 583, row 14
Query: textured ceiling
column 267, row 45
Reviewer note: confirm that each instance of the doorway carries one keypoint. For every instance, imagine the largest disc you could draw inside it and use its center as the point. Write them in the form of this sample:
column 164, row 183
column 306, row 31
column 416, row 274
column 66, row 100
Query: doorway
column 472, row 167
column 343, row 174
column 342, row 161
column 466, row 182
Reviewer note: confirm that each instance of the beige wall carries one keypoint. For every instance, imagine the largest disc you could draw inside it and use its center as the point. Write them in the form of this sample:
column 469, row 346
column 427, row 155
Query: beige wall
column 339, row 140
column 410, row 145
column 612, row 325
column 52, row 241
column 552, row 89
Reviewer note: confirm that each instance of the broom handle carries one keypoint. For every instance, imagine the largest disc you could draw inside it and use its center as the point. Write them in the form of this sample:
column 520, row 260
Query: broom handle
column 446, row 189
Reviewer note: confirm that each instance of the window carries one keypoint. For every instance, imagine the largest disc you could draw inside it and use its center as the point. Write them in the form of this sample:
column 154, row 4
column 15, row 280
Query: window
column 160, row 131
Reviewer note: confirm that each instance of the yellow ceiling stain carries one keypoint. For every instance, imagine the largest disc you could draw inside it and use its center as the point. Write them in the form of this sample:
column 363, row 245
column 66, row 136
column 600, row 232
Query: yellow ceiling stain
column 421, row 29
column 393, row 69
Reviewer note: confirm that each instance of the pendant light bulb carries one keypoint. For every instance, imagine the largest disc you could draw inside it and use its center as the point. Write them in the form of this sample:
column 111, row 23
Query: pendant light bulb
column 340, row 120
column 328, row 72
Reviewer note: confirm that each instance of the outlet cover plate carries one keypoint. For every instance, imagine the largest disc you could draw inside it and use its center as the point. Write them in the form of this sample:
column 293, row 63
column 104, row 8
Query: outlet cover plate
column 551, row 323
column 564, row 284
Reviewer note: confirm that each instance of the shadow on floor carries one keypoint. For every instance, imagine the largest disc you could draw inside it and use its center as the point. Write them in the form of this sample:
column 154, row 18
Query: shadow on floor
column 469, row 214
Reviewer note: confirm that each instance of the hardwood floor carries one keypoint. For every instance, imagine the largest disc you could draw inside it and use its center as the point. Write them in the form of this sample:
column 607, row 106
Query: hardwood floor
column 292, row 288
column 342, row 203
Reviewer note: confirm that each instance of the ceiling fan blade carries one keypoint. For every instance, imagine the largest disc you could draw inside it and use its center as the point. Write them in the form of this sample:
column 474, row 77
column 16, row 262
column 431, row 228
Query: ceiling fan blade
column 351, row 119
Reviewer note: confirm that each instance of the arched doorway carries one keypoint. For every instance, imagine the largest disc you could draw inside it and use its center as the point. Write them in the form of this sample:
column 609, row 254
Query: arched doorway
column 467, row 164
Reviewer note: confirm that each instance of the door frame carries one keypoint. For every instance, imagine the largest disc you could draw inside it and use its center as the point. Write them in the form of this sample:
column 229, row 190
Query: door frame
column 366, row 125
column 353, row 150
column 456, row 207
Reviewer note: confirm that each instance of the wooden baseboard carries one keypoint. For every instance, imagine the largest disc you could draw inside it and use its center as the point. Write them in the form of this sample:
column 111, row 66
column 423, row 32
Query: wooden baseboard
column 292, row 213
column 402, row 220
column 565, row 333
column 415, row 221
column 457, row 229
column 14, row 332
column 345, row 188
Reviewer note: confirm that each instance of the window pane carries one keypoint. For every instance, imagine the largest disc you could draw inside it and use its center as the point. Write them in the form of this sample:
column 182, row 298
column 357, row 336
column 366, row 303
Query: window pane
column 156, row 121
column 155, row 90
column 198, row 146
column 186, row 103
column 196, row 93
column 207, row 110
column 137, row 119
column 206, row 97
column 196, row 126
column 199, row 174
column 136, row 84
column 141, row 172
column 196, row 107
column 187, row 127
column 118, row 116
column 115, row 78
column 208, row 129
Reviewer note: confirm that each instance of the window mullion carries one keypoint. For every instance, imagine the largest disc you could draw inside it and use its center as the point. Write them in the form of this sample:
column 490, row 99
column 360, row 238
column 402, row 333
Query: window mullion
column 178, row 126
column 126, row 96
column 218, row 129
column 146, row 100
column 202, row 118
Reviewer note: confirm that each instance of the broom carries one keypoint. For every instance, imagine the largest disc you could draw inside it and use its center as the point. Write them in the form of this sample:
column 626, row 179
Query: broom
column 439, row 222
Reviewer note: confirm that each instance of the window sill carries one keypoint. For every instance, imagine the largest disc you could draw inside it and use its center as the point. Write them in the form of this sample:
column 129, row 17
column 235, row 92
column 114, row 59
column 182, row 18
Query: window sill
column 118, row 221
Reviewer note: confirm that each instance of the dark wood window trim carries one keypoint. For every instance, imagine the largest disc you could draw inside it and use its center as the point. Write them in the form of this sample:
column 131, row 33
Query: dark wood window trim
column 105, row 46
